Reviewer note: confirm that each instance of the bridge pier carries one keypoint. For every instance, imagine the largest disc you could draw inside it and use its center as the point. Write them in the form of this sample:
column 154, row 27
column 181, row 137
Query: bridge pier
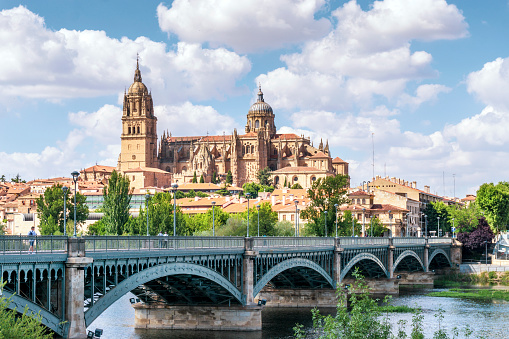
column 218, row 318
column 248, row 271
column 75, row 287
column 391, row 258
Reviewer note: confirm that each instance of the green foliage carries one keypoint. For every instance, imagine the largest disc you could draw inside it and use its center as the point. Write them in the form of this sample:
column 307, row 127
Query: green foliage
column 117, row 198
column 477, row 294
column 378, row 227
column 223, row 191
column 324, row 194
column 50, row 207
column 234, row 226
column 26, row 326
column 202, row 179
column 296, row 186
column 195, row 179
column 263, row 176
column 284, row 229
column 3, row 226
column 494, row 201
column 201, row 223
column 465, row 219
column 97, row 228
column 229, row 177
column 17, row 179
column 214, row 178
column 2, row 178
column 253, row 188
column 268, row 219
column 433, row 211
column 160, row 214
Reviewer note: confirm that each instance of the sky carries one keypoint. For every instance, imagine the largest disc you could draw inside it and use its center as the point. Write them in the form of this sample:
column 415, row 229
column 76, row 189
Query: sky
column 417, row 90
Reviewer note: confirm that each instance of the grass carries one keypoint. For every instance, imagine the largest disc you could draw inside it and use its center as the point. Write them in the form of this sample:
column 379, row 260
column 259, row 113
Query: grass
column 396, row 309
column 475, row 294
column 458, row 279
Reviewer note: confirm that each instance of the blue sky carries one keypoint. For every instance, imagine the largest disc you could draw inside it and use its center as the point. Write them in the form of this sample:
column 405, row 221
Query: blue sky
column 428, row 77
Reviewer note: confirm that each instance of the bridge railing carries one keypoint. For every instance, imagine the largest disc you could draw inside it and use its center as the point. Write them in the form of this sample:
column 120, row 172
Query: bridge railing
column 439, row 241
column 20, row 244
column 275, row 242
column 408, row 241
column 360, row 241
column 144, row 243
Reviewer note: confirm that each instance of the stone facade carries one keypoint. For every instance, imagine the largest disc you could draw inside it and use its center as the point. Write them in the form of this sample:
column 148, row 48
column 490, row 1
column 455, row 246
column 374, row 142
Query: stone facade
column 244, row 155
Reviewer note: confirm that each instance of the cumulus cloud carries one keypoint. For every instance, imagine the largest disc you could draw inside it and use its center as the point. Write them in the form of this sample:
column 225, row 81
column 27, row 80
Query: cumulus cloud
column 491, row 83
column 188, row 119
column 41, row 63
column 367, row 54
column 246, row 26
column 423, row 94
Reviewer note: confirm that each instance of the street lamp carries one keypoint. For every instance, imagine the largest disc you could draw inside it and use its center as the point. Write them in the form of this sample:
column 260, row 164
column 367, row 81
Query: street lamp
column 258, row 208
column 486, row 253
column 453, row 228
column 438, row 227
column 175, row 186
column 147, row 196
column 425, row 226
column 336, row 207
column 363, row 222
column 406, row 219
column 325, row 223
column 64, row 189
column 390, row 224
column 296, row 216
column 247, row 196
column 371, row 225
column 353, row 226
column 213, row 220
column 75, row 176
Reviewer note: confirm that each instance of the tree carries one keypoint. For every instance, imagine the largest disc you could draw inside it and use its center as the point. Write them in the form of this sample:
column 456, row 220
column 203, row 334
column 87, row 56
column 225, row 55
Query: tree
column 25, row 326
column 3, row 226
column 475, row 241
column 324, row 194
column 268, row 219
column 494, row 201
column 202, row 179
column 378, row 227
column 50, row 207
column 223, row 191
column 433, row 211
column 296, row 186
column 263, row 176
column 97, row 228
column 214, row 177
column 117, row 199
column 286, row 183
column 16, row 179
column 160, row 213
column 229, row 178
column 195, row 179
column 251, row 188
column 2, row 178
column 465, row 219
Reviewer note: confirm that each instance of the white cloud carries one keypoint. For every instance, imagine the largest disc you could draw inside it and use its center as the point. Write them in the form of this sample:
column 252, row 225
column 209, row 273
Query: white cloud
column 247, row 25
column 367, row 54
column 41, row 63
column 103, row 125
column 188, row 119
column 491, row 83
column 423, row 93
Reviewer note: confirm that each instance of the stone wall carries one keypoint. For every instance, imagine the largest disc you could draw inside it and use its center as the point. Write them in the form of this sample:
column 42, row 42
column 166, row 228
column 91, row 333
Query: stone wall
column 236, row 318
column 298, row 298
column 415, row 278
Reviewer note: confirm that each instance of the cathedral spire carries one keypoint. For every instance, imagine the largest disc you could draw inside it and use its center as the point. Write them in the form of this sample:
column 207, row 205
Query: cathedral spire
column 327, row 147
column 137, row 73
column 260, row 93
column 320, row 147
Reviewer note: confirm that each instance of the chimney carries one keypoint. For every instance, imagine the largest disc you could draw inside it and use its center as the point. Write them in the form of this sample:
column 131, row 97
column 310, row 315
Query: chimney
column 426, row 188
column 241, row 200
column 290, row 197
column 273, row 200
column 227, row 199
column 196, row 198
column 393, row 179
column 414, row 184
column 283, row 201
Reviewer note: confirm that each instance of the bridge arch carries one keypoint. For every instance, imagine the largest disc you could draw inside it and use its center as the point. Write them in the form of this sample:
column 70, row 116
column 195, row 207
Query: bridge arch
column 155, row 272
column 436, row 252
column 358, row 258
column 48, row 319
column 286, row 265
column 406, row 254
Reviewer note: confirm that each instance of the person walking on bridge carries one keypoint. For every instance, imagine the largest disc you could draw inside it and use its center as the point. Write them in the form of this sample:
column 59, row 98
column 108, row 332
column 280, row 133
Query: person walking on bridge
column 32, row 234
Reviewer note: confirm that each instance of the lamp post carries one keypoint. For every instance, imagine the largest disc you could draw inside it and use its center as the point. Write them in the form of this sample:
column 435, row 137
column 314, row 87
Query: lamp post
column 363, row 222
column 406, row 219
column 296, row 216
column 247, row 196
column 213, row 220
column 64, row 189
column 371, row 225
column 336, row 207
column 438, row 227
column 486, row 253
column 390, row 224
column 258, row 208
column 147, row 196
column 353, row 226
column 425, row 226
column 325, row 222
column 175, row 186
column 75, row 176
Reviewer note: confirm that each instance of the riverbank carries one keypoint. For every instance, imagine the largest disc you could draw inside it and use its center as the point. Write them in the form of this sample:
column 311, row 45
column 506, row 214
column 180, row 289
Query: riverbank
column 456, row 279
column 473, row 294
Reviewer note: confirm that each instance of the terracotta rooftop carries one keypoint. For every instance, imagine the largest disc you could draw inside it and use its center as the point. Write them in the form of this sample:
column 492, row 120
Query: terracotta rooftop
column 338, row 160
column 301, row 169
column 319, row 155
column 100, row 168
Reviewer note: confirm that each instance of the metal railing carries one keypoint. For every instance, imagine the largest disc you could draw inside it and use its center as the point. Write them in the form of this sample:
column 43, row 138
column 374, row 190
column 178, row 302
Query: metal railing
column 20, row 244
column 144, row 243
column 359, row 241
column 408, row 241
column 439, row 241
column 278, row 242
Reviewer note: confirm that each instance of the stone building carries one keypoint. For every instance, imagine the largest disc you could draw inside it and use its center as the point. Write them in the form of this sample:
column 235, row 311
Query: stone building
column 290, row 156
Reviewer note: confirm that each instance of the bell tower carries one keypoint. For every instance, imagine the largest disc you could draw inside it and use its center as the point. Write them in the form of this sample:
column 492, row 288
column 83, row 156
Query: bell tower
column 260, row 116
column 139, row 127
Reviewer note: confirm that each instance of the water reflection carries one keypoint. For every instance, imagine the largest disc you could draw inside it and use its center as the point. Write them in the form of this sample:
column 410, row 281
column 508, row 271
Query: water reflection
column 489, row 318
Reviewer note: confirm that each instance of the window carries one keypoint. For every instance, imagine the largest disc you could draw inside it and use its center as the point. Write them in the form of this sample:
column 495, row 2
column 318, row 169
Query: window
column 292, row 217
column 129, row 130
column 276, row 180
column 284, row 217
column 313, row 178
column 295, row 179
column 257, row 124
column 363, row 201
column 138, row 129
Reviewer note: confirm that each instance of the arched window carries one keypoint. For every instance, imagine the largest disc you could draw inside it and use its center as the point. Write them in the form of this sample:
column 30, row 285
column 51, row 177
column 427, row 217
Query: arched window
column 138, row 129
column 257, row 124
column 184, row 169
column 276, row 180
column 275, row 151
column 313, row 179
column 252, row 149
column 249, row 123
column 129, row 130
column 295, row 179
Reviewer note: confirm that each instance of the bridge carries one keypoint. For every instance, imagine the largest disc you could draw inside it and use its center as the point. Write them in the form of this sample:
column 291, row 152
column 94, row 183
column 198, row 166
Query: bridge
column 71, row 281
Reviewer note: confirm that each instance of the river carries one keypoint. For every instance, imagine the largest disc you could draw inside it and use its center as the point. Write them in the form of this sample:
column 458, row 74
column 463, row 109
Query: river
column 487, row 318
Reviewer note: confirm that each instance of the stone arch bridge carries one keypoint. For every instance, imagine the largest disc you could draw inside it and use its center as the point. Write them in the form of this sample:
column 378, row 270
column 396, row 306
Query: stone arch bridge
column 71, row 281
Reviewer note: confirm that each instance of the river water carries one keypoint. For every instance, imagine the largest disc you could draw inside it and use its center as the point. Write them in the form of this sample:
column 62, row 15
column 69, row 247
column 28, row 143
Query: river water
column 488, row 319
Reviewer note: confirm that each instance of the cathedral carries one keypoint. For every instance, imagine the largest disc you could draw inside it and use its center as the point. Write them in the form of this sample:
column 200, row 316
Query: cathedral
column 292, row 158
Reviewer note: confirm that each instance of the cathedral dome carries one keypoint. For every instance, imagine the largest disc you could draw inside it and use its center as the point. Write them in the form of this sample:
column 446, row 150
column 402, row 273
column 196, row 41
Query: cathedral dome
column 260, row 106
column 138, row 87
